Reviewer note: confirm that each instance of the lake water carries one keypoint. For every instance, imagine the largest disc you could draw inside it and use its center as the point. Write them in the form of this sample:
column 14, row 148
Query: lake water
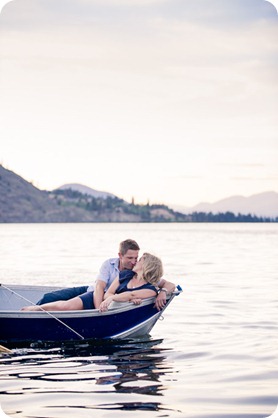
column 215, row 354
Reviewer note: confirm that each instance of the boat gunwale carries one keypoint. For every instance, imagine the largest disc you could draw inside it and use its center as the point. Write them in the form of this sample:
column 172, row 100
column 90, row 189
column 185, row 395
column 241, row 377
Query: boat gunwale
column 116, row 307
column 122, row 307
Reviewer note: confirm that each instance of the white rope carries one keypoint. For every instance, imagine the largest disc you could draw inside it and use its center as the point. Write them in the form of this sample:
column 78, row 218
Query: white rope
column 47, row 312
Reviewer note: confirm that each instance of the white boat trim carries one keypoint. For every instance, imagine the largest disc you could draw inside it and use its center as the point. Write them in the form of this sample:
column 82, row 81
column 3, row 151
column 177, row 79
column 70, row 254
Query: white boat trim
column 140, row 329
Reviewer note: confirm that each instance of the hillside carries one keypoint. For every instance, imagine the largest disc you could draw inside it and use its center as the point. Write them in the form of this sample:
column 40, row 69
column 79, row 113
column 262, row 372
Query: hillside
column 21, row 202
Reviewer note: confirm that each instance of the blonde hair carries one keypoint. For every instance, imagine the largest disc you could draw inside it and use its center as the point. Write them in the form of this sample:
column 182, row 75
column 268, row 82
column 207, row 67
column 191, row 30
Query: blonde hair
column 152, row 268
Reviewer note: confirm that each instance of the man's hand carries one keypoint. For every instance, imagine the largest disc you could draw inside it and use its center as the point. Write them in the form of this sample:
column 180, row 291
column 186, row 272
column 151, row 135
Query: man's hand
column 103, row 307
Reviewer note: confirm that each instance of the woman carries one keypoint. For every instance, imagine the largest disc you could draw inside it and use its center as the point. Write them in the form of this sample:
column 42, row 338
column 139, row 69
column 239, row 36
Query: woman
column 136, row 284
column 132, row 285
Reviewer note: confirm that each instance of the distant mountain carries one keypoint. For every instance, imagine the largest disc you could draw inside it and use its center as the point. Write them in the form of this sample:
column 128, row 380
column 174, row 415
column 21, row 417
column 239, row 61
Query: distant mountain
column 262, row 204
column 85, row 190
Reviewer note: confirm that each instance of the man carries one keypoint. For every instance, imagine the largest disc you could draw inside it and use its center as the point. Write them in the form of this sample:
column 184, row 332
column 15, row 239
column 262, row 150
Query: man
column 110, row 269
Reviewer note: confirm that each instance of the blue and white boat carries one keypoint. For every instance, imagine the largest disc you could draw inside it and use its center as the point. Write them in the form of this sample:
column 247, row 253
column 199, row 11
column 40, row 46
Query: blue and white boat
column 121, row 321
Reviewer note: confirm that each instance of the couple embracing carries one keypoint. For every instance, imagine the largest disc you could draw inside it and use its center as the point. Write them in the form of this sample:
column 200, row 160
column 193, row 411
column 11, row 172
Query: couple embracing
column 120, row 279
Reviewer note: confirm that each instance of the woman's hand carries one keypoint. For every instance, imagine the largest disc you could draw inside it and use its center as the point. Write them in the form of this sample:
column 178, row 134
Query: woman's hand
column 136, row 301
column 160, row 301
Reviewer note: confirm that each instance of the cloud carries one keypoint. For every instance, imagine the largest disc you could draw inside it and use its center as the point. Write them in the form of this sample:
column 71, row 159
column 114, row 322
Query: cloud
column 255, row 179
column 221, row 13
column 187, row 87
column 186, row 177
column 247, row 165
column 3, row 3
column 274, row 3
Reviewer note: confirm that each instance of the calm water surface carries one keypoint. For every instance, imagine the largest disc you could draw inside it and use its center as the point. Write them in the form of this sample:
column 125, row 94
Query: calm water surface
column 215, row 354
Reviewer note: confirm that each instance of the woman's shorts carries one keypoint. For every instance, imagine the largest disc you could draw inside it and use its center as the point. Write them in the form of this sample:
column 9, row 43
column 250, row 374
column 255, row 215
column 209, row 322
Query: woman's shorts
column 88, row 300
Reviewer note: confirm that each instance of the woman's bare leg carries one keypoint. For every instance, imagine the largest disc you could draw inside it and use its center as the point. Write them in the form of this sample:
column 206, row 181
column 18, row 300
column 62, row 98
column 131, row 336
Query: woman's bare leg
column 61, row 305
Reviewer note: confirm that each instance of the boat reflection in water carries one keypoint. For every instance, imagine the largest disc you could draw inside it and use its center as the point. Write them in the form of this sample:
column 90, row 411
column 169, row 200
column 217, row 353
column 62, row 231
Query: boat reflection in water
column 97, row 376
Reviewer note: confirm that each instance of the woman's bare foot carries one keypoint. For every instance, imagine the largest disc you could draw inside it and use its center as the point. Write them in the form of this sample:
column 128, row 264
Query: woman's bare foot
column 30, row 308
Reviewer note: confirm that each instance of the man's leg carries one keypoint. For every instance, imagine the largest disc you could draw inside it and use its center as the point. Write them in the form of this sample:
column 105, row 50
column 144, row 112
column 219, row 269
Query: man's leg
column 62, row 294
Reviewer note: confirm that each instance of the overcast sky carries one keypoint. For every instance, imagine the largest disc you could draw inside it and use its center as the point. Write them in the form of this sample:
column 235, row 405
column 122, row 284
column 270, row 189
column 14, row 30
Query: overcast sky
column 172, row 101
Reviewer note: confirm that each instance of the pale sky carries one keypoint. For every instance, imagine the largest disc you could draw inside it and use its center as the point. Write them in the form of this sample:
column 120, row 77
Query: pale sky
column 171, row 101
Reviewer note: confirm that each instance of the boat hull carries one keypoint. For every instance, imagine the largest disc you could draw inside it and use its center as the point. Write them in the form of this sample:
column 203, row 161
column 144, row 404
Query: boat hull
column 124, row 320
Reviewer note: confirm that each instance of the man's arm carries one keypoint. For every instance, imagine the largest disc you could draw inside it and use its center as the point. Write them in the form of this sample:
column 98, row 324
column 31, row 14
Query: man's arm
column 165, row 288
column 112, row 288
column 101, row 283
column 99, row 293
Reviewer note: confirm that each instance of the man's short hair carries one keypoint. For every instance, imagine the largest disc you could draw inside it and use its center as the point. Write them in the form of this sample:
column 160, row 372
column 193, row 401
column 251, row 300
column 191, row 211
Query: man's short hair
column 128, row 244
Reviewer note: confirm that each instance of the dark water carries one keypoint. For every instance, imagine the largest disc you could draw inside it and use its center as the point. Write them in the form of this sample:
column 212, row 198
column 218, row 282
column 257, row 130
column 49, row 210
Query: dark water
column 84, row 377
column 215, row 354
